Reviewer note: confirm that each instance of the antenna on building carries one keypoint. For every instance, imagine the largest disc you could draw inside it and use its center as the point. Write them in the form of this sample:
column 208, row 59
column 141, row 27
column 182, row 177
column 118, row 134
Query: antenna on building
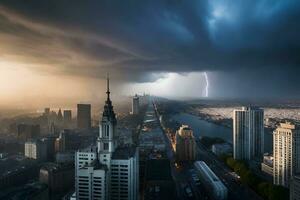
column 107, row 85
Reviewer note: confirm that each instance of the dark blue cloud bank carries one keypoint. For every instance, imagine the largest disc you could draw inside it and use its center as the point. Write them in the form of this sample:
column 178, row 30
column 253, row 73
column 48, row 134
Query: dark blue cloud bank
column 250, row 47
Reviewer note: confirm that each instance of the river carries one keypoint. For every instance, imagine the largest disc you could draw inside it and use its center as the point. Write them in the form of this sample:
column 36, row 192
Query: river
column 205, row 128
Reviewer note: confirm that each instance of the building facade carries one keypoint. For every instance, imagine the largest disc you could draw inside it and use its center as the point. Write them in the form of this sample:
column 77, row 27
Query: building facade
column 248, row 133
column 221, row 149
column 295, row 188
column 107, row 171
column 185, row 147
column 36, row 149
column 286, row 152
column 84, row 116
column 267, row 164
column 28, row 131
column 135, row 105
column 217, row 190
column 59, row 178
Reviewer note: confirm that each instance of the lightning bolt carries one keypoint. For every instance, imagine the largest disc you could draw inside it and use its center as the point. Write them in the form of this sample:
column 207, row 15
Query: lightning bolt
column 207, row 84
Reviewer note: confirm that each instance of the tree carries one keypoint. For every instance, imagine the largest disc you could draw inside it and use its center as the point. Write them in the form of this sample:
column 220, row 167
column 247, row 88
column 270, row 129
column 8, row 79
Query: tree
column 230, row 162
column 278, row 193
column 263, row 189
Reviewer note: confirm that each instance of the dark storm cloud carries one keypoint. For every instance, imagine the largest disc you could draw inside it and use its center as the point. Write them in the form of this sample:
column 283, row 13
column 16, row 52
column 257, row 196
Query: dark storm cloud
column 134, row 39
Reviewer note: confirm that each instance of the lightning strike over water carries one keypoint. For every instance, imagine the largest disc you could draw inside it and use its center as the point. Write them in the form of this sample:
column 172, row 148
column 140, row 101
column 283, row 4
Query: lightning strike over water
column 207, row 84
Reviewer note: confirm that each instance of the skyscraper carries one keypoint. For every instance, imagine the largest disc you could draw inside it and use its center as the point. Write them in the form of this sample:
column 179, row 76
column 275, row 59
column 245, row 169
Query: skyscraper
column 248, row 133
column 185, row 144
column 286, row 152
column 135, row 105
column 84, row 116
column 28, row 131
column 67, row 116
column 59, row 116
column 295, row 188
column 108, row 171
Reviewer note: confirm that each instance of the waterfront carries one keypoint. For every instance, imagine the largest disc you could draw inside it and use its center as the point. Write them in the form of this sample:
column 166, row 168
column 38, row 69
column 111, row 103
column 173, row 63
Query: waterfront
column 205, row 128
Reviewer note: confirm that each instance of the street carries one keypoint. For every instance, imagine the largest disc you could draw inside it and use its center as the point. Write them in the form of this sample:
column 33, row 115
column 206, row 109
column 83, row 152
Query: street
column 183, row 179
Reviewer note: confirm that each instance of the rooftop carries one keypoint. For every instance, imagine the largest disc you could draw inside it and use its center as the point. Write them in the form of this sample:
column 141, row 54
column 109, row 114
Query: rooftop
column 124, row 153
column 56, row 167
column 158, row 169
column 26, row 192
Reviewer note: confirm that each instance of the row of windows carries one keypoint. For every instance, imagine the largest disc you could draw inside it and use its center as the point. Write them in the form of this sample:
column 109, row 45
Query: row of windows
column 85, row 155
column 117, row 180
column 126, row 166
column 97, row 185
column 116, row 192
column 116, row 173
column 116, row 177
column 83, row 180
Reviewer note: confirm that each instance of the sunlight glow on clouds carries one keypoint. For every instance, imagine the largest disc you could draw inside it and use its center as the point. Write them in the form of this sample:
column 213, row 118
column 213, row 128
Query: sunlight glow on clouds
column 173, row 85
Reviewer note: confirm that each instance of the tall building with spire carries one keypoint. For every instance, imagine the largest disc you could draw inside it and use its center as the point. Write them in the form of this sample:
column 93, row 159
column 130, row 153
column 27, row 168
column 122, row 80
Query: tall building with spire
column 107, row 171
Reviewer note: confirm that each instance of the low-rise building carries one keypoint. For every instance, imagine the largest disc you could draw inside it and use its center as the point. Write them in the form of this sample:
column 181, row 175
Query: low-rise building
column 65, row 157
column 267, row 164
column 221, row 149
column 216, row 189
column 159, row 184
column 59, row 178
column 19, row 175
column 32, row 191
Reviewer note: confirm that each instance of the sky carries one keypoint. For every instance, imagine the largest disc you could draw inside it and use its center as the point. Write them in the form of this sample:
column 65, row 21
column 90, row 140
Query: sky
column 59, row 51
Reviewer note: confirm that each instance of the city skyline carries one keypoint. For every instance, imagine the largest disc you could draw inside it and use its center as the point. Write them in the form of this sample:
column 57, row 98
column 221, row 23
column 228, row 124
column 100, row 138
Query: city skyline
column 149, row 99
column 240, row 49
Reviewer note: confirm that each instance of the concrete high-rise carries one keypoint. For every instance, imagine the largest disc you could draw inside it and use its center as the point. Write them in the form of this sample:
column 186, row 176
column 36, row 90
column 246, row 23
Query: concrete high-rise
column 248, row 133
column 84, row 116
column 67, row 116
column 28, row 131
column 295, row 188
column 185, row 147
column 108, row 171
column 286, row 153
column 135, row 105
column 36, row 149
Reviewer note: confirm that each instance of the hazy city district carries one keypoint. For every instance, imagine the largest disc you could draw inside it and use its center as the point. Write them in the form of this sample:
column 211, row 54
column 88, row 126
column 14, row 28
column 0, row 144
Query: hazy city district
column 153, row 148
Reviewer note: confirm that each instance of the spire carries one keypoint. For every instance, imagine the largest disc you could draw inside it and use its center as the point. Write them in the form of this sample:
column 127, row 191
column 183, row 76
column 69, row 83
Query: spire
column 108, row 92
column 108, row 108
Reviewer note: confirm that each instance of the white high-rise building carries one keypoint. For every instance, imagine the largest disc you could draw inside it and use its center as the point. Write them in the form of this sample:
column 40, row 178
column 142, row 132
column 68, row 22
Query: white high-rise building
column 125, row 174
column 135, row 105
column 108, row 171
column 248, row 133
column 91, row 183
column 286, row 152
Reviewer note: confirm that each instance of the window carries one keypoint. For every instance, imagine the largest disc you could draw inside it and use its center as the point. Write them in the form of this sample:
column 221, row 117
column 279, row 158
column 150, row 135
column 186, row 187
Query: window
column 106, row 130
column 105, row 146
